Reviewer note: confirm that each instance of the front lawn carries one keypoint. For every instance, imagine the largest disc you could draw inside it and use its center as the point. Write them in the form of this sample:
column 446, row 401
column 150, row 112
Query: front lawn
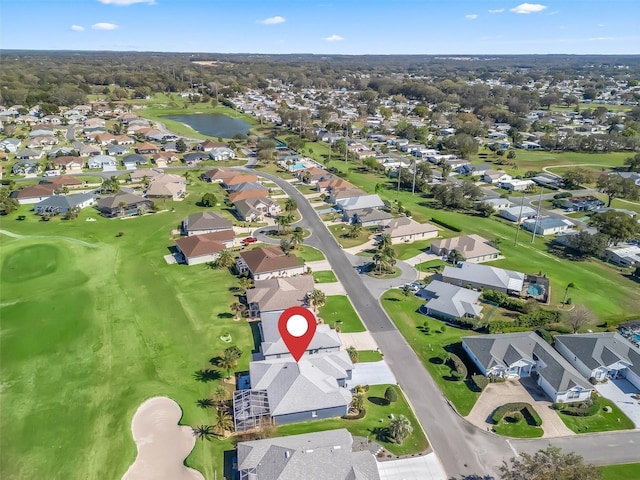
column 338, row 312
column 325, row 276
column 373, row 426
column 307, row 253
column 601, row 421
column 519, row 429
column 369, row 356
column 432, row 346
column 626, row 471
column 405, row 251
column 340, row 231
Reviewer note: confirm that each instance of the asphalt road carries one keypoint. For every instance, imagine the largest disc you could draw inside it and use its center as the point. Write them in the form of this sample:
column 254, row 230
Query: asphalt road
column 463, row 449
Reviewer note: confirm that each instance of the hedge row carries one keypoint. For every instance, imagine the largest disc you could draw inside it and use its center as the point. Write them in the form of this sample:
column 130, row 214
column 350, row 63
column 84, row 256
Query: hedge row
column 480, row 380
column 455, row 363
column 445, row 225
column 527, row 411
column 360, row 415
column 581, row 409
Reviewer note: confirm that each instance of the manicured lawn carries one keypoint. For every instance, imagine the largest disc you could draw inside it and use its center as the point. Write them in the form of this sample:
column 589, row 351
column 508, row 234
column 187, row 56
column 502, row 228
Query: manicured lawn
column 601, row 421
column 325, row 276
column 369, row 356
column 627, row 471
column 340, row 230
column 431, row 265
column 373, row 425
column 405, row 251
column 338, row 308
column 108, row 328
column 432, row 347
column 520, row 429
column 308, row 254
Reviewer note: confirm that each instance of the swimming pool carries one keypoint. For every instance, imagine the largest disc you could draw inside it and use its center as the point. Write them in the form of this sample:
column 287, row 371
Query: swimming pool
column 535, row 290
column 298, row 166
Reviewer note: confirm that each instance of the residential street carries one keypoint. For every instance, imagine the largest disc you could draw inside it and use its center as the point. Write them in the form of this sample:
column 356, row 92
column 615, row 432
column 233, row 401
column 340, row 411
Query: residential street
column 462, row 448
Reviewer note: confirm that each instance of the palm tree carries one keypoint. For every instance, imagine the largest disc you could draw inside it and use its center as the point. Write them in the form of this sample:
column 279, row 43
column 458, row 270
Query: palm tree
column 454, row 257
column 227, row 364
column 121, row 205
column 384, row 242
column 205, row 403
column 566, row 291
column 283, row 221
column 378, row 188
column 186, row 176
column 353, row 354
column 223, row 422
column 400, row 428
column 225, row 260
column 357, row 402
column 316, row 299
column 306, row 177
column 297, row 237
column 245, row 284
column 406, row 290
column 219, row 395
column 355, row 230
column 290, row 205
column 204, row 432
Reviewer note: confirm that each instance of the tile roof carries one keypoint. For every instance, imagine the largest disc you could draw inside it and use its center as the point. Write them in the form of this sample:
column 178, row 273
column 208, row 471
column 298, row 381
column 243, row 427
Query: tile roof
column 470, row 246
column 205, row 244
column 269, row 259
column 280, row 293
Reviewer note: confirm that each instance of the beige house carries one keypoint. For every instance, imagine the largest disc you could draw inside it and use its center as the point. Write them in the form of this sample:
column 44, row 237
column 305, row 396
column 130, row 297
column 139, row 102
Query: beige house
column 269, row 262
column 167, row 186
column 405, row 230
column 473, row 248
column 277, row 294
column 204, row 248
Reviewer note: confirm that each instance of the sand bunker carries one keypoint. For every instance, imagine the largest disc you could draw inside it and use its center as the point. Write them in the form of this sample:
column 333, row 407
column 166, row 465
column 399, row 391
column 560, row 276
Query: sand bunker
column 162, row 443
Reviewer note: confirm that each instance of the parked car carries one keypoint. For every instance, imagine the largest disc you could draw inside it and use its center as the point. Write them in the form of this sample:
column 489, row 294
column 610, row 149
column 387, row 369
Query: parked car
column 249, row 240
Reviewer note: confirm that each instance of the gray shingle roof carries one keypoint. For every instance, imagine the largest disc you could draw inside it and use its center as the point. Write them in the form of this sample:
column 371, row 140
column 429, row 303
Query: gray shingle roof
column 64, row 201
column 485, row 275
column 206, row 221
column 451, row 300
column 311, row 456
column 280, row 293
column 602, row 349
column 365, row 201
column 310, row 384
column 505, row 349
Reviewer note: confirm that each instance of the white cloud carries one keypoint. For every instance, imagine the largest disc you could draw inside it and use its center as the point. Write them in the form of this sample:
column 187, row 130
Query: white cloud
column 273, row 20
column 104, row 26
column 333, row 38
column 526, row 8
column 497, row 10
column 77, row 28
column 600, row 39
column 471, row 16
column 126, row 3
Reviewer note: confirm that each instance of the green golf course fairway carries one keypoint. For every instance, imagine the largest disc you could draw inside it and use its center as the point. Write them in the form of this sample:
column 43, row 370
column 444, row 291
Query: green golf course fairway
column 88, row 334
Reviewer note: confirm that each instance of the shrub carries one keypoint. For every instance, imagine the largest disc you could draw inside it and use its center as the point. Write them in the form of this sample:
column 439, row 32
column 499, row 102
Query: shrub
column 563, row 195
column 480, row 381
column 519, row 410
column 445, row 225
column 120, row 234
column 513, row 417
column 593, row 381
column 546, row 336
column 391, row 395
column 456, row 364
column 357, row 416
column 579, row 409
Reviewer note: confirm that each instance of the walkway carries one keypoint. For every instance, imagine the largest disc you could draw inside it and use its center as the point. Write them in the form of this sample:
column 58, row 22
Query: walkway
column 497, row 394
column 421, row 258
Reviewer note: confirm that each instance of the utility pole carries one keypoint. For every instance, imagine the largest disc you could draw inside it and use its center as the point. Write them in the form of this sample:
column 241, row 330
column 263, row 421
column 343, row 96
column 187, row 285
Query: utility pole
column 533, row 237
column 415, row 170
column 519, row 218
column 346, row 149
column 399, row 175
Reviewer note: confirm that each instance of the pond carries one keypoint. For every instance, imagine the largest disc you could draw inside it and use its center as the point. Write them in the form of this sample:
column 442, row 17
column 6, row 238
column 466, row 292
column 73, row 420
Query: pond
column 213, row 125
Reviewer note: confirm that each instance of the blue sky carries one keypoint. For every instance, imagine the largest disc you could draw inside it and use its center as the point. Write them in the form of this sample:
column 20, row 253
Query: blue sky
column 325, row 26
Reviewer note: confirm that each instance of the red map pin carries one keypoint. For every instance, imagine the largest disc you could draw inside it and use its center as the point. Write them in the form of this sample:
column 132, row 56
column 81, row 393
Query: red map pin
column 297, row 326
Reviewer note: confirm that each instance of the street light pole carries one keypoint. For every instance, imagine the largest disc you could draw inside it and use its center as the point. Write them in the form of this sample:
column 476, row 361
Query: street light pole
column 533, row 237
column 415, row 170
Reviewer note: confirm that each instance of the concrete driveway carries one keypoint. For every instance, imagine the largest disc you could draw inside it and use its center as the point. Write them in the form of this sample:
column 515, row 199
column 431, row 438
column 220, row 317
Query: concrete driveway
column 620, row 391
column 371, row 373
column 319, row 265
column 426, row 467
column 333, row 288
column 361, row 340
column 497, row 394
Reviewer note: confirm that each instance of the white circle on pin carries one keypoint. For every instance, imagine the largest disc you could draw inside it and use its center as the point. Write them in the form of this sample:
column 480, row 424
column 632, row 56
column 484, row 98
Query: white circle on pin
column 297, row 326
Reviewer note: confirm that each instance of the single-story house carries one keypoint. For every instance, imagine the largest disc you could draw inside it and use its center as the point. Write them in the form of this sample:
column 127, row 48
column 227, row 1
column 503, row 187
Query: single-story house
column 406, row 230
column 194, row 158
column 358, row 203
column 586, row 203
column 205, row 222
column 89, row 151
column 278, row 294
column 450, row 302
column 269, row 262
column 68, row 163
column 239, row 178
column 147, row 148
column 472, row 248
column 547, row 225
column 497, row 203
column 167, row 186
column 221, row 153
column 518, row 214
column 312, row 175
column 26, row 167
column 61, row 204
column 367, row 217
column 254, row 209
column 474, row 170
column 320, row 455
column 63, row 181
column 525, row 354
column 209, row 145
column 484, row 277
column 601, row 355
column 132, row 161
column 332, row 182
column 217, row 175
column 547, row 180
column 311, row 389
column 623, row 255
column 107, row 163
column 162, row 159
column 635, row 176
column 117, row 150
column 248, row 194
column 33, row 194
column 123, row 204
column 141, row 174
column 516, row 185
column 205, row 248
column 344, row 193
column 496, row 176
column 29, row 154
